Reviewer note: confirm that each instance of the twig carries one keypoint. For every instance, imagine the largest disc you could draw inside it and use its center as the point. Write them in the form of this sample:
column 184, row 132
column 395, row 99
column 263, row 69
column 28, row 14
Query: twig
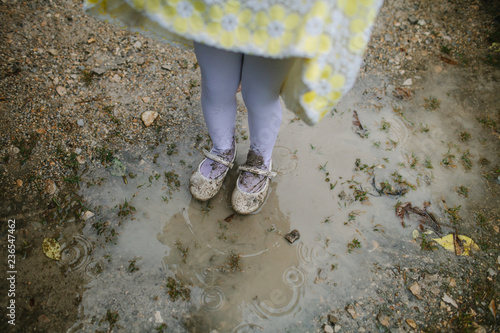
column 92, row 100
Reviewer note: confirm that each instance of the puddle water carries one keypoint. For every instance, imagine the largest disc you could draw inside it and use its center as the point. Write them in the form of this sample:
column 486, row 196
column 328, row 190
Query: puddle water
column 235, row 273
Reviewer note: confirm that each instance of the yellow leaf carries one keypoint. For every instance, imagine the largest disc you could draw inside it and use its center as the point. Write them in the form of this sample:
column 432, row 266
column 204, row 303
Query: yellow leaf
column 448, row 243
column 51, row 248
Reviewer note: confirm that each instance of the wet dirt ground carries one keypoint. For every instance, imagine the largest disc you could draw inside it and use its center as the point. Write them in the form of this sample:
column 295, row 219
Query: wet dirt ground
column 139, row 254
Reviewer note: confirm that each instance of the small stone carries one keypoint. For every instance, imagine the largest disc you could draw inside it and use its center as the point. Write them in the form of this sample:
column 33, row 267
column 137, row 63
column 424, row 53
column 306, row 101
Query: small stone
column 78, row 151
column 447, row 299
column 91, row 40
column 438, row 69
column 137, row 45
column 50, row 187
column 332, row 319
column 408, row 82
column 388, row 38
column 14, row 150
column 61, row 90
column 146, row 99
column 453, row 283
column 52, row 51
column 99, row 70
column 421, row 22
column 383, row 319
column 80, row 159
column 292, row 236
column 80, row 122
column 412, row 20
column 139, row 60
column 350, row 310
column 149, row 117
column 411, row 323
column 327, row 328
column 19, row 182
column 43, row 319
column 116, row 78
column 167, row 67
column 479, row 328
column 492, row 272
column 158, row 318
column 415, row 290
column 87, row 215
column 337, row 328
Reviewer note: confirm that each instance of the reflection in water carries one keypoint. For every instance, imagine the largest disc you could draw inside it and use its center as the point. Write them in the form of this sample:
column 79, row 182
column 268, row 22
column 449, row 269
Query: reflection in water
column 238, row 261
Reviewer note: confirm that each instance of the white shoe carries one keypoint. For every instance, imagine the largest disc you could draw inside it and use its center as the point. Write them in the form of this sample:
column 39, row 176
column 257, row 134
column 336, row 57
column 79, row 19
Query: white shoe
column 245, row 203
column 204, row 188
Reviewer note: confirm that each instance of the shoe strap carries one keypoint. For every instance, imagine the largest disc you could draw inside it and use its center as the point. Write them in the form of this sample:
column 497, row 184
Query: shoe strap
column 217, row 159
column 257, row 171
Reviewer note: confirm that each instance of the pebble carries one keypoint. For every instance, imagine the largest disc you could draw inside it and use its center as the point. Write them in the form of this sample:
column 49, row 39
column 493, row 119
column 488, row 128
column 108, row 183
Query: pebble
column 447, row 299
column 146, row 99
column 19, row 182
column 61, row 90
column 87, row 215
column 50, row 187
column 167, row 67
column 80, row 159
column 140, row 61
column 149, row 117
column 116, row 78
column 52, row 51
column 412, row 20
column 350, row 310
column 80, row 122
column 328, row 329
column 411, row 323
column 492, row 272
column 158, row 318
column 415, row 290
column 43, row 319
column 99, row 70
column 408, row 82
column 383, row 319
column 337, row 328
column 421, row 22
column 332, row 319
column 78, row 151
column 137, row 45
column 292, row 236
column 438, row 69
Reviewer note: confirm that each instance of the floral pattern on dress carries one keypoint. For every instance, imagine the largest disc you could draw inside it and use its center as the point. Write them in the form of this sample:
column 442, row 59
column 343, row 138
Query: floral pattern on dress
column 330, row 36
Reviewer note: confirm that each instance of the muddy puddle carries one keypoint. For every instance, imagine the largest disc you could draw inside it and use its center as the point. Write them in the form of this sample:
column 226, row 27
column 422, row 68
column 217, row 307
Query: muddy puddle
column 154, row 258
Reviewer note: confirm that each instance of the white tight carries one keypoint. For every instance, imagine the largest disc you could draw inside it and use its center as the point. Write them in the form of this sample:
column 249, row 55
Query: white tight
column 261, row 79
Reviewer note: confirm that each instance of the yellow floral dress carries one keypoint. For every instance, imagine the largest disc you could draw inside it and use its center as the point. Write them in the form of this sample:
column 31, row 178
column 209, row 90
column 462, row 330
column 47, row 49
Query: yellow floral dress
column 328, row 37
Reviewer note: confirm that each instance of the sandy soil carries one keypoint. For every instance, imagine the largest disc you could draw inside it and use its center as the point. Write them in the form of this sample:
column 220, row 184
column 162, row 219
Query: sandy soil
column 72, row 91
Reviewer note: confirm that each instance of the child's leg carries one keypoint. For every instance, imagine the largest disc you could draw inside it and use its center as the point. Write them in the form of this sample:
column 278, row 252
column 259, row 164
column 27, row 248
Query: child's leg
column 261, row 82
column 220, row 78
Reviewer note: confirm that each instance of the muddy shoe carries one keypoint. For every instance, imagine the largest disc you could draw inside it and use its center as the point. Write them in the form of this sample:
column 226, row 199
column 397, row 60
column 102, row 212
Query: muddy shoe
column 204, row 188
column 250, row 202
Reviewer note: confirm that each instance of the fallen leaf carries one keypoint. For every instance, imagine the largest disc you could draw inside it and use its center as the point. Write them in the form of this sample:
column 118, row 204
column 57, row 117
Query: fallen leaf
column 51, row 248
column 449, row 61
column 448, row 242
column 493, row 308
